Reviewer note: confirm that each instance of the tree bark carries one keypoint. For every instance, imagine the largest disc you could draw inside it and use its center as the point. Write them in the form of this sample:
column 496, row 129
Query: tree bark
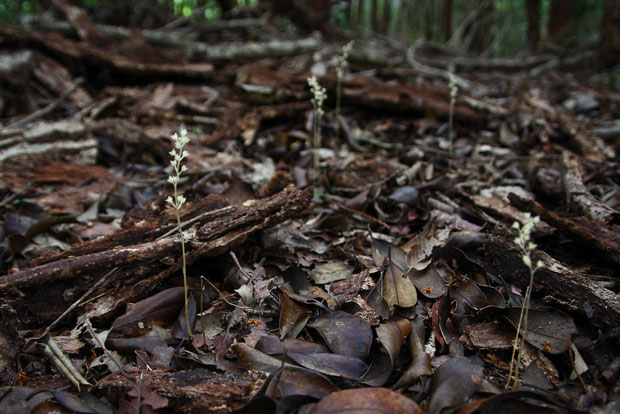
column 560, row 14
column 533, row 23
column 447, row 20
column 609, row 46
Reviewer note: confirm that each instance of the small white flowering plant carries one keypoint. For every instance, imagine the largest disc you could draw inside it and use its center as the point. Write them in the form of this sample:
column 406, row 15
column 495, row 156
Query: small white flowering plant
column 454, row 90
column 523, row 240
column 343, row 62
column 319, row 94
column 178, row 154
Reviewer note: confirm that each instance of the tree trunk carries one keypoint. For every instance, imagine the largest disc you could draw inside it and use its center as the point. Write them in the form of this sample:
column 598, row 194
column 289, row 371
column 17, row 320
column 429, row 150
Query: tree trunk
column 533, row 23
column 428, row 24
column 560, row 15
column 447, row 19
column 481, row 35
column 609, row 46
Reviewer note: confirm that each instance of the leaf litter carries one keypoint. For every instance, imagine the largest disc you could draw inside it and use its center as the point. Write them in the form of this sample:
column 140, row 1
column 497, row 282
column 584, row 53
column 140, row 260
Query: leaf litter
column 395, row 271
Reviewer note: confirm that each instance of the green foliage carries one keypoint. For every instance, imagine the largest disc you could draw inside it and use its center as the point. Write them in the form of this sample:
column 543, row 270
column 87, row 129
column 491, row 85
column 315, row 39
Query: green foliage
column 505, row 24
column 406, row 20
column 12, row 11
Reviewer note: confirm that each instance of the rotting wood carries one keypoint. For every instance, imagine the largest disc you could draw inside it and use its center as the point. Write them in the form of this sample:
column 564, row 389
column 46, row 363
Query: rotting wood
column 237, row 51
column 215, row 237
column 591, row 235
column 57, row 45
column 57, row 78
column 94, row 263
column 578, row 196
column 196, row 391
column 590, row 145
column 165, row 36
column 566, row 288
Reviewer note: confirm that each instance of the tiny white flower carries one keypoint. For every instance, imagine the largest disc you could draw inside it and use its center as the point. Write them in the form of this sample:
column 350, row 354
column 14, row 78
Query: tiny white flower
column 527, row 261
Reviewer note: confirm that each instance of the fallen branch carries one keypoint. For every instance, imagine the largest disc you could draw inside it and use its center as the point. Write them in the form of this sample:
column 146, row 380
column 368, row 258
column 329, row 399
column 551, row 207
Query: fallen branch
column 590, row 235
column 578, row 196
column 568, row 289
column 49, row 108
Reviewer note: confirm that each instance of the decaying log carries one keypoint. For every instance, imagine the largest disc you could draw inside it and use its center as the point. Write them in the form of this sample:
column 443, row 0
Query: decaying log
column 591, row 235
column 73, row 267
column 556, row 283
column 225, row 233
column 196, row 391
column 165, row 36
column 58, row 45
column 578, row 196
column 239, row 51
column 590, row 145
column 406, row 99
column 67, row 137
column 214, row 237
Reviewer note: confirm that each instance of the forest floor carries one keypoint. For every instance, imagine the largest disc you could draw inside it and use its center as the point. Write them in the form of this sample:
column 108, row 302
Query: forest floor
column 373, row 269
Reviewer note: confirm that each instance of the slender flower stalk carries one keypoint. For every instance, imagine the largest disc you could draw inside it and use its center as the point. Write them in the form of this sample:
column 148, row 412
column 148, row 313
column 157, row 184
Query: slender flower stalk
column 454, row 90
column 178, row 154
column 523, row 241
column 343, row 62
column 319, row 94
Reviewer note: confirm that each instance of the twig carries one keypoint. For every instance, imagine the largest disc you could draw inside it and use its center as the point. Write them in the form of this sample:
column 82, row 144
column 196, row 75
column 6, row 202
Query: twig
column 77, row 302
column 354, row 211
column 96, row 339
column 195, row 219
column 53, row 352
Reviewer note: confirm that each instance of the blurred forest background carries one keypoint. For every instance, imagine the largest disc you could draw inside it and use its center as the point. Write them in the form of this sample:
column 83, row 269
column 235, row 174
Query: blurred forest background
column 491, row 28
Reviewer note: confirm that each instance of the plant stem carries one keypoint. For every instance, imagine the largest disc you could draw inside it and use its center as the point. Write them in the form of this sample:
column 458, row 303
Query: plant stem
column 182, row 237
column 338, row 94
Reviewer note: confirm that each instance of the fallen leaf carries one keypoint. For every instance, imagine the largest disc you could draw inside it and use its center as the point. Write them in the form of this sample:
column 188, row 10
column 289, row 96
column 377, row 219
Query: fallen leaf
column 453, row 383
column 331, row 364
column 398, row 290
column 293, row 316
column 160, row 309
column 344, row 334
column 421, row 361
column 549, row 331
column 366, row 401
column 330, row 272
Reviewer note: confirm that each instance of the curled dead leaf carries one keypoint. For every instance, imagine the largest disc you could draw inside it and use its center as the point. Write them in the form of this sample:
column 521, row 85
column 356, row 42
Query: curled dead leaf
column 366, row 401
